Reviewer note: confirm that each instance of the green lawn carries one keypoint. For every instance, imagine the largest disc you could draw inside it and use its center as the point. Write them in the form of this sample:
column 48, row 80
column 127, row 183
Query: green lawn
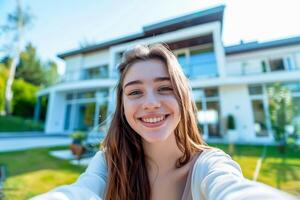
column 281, row 171
column 16, row 124
column 33, row 171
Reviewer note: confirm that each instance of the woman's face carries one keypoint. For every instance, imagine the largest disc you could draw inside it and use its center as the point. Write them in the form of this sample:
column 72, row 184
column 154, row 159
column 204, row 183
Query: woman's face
column 150, row 106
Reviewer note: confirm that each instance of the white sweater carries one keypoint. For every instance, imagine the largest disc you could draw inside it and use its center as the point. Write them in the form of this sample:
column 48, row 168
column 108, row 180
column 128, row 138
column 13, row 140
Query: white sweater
column 215, row 176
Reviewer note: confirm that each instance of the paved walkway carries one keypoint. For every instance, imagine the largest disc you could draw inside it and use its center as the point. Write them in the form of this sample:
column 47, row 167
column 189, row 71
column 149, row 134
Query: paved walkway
column 29, row 140
column 17, row 142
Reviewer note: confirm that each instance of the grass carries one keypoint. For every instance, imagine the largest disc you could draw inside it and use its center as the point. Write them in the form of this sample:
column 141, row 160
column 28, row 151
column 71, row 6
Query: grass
column 34, row 171
column 278, row 170
column 17, row 124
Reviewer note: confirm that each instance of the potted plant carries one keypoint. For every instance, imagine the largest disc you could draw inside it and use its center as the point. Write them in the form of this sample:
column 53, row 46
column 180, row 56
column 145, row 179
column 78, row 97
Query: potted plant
column 77, row 147
column 78, row 137
column 231, row 133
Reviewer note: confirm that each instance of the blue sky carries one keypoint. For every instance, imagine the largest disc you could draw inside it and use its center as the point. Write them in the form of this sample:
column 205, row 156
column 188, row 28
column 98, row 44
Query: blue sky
column 60, row 25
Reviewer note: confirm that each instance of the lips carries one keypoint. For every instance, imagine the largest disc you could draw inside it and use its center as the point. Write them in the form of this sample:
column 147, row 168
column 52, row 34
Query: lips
column 152, row 120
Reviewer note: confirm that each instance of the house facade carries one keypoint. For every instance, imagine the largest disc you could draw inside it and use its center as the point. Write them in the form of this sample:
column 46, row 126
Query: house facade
column 226, row 81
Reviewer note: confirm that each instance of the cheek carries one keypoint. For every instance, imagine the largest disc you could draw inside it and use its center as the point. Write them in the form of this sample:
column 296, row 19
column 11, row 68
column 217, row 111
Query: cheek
column 129, row 110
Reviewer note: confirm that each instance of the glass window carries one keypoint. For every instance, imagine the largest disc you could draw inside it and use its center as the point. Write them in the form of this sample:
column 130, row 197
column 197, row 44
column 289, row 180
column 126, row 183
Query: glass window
column 203, row 63
column 68, row 117
column 260, row 126
column 211, row 92
column 182, row 59
column 255, row 89
column 69, row 96
column 85, row 116
column 276, row 64
column 213, row 114
column 96, row 72
column 208, row 114
column 85, row 95
column 293, row 86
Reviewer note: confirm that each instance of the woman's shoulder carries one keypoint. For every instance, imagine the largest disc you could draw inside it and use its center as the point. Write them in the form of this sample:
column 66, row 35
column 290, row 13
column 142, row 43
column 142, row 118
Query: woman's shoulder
column 98, row 164
column 209, row 154
column 211, row 159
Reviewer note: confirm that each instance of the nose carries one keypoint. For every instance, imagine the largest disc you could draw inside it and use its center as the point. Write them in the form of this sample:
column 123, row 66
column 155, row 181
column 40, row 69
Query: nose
column 151, row 102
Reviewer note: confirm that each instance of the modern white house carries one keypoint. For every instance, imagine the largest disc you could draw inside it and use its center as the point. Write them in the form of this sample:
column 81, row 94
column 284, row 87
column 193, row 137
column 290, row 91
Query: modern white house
column 226, row 81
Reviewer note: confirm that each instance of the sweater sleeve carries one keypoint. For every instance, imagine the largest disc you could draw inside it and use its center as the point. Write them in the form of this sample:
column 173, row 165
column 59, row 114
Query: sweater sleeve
column 217, row 177
column 90, row 185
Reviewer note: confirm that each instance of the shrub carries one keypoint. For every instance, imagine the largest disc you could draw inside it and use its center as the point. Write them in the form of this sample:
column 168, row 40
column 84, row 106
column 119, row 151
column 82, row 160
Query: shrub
column 24, row 98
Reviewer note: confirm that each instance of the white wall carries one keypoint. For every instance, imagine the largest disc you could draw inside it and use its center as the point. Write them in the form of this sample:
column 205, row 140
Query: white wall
column 96, row 59
column 55, row 113
column 73, row 66
column 297, row 59
column 254, row 58
column 247, row 66
column 235, row 101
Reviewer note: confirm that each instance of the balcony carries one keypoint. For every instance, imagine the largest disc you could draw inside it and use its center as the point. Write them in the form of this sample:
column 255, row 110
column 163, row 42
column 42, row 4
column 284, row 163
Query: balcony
column 260, row 67
column 199, row 65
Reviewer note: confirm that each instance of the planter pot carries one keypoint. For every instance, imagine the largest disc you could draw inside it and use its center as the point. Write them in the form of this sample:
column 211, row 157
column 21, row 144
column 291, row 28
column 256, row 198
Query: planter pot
column 77, row 150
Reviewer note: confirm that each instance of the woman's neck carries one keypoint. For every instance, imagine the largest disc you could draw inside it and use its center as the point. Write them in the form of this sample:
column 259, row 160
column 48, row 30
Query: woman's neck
column 162, row 155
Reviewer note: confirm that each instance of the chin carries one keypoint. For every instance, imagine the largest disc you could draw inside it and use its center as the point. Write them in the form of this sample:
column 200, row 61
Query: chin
column 155, row 138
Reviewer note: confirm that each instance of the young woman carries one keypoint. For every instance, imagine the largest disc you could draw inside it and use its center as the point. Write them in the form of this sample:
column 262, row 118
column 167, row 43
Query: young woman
column 153, row 149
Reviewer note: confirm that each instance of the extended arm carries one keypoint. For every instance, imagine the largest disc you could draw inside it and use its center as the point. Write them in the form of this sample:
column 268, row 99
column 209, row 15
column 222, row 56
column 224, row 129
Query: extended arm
column 217, row 177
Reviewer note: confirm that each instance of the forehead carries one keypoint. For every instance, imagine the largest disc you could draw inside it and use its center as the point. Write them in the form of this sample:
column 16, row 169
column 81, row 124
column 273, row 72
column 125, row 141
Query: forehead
column 146, row 70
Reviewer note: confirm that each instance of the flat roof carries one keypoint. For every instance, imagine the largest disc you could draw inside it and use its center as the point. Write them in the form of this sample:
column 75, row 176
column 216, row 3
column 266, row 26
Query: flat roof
column 200, row 17
column 254, row 46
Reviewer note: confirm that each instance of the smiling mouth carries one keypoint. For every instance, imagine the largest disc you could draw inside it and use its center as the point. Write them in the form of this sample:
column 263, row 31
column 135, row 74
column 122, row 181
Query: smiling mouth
column 153, row 120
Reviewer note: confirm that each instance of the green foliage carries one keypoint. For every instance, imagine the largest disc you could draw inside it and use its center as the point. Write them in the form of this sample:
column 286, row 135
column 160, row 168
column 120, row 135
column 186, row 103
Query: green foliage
column 280, row 109
column 3, row 77
column 33, row 73
column 230, row 122
column 78, row 136
column 24, row 98
column 17, row 124
column 32, row 70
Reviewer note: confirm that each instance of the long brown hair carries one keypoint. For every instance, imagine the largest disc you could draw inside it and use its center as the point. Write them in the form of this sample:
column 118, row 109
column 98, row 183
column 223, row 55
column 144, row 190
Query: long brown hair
column 127, row 172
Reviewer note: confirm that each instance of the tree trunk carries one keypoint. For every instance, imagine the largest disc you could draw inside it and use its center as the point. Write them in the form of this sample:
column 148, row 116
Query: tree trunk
column 15, row 61
column 9, row 82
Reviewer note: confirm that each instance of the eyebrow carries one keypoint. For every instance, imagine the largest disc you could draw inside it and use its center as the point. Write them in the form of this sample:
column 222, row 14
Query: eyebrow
column 158, row 79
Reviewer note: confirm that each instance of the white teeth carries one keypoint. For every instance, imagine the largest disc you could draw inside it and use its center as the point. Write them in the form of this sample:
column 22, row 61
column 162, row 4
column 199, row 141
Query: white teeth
column 153, row 120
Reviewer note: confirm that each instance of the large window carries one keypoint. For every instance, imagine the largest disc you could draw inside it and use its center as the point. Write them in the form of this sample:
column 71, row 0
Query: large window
column 84, row 114
column 276, row 64
column 203, row 63
column 261, row 108
column 95, row 72
column 198, row 61
column 208, row 106
column 259, row 103
column 260, row 119
column 86, row 110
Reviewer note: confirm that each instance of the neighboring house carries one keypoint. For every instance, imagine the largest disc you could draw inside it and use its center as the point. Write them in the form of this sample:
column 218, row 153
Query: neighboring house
column 225, row 80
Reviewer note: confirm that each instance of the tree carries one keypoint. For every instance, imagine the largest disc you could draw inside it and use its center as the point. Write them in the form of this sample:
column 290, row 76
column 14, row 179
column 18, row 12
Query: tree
column 3, row 77
column 281, row 111
column 50, row 73
column 16, row 24
column 24, row 99
column 30, row 68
